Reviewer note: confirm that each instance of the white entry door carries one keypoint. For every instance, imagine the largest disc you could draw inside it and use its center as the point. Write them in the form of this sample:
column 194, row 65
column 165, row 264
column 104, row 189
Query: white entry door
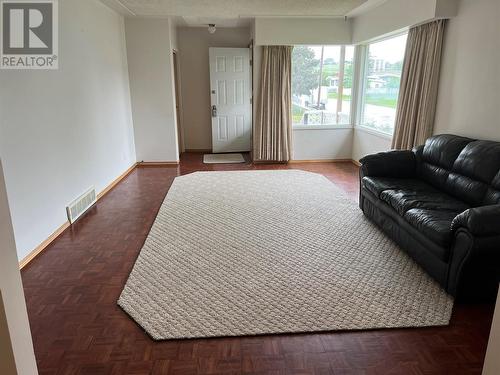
column 230, row 99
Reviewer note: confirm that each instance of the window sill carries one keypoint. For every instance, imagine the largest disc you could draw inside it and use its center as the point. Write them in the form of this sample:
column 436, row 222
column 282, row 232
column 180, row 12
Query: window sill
column 321, row 127
column 372, row 131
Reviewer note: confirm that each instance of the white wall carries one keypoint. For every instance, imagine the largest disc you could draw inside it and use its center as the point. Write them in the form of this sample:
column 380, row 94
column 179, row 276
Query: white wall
column 62, row 131
column 366, row 142
column 15, row 334
column 469, row 89
column 316, row 144
column 194, row 43
column 294, row 31
column 173, row 34
column 150, row 62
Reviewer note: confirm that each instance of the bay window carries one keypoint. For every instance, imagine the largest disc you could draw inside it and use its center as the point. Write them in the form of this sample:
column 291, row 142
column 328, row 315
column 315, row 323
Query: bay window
column 326, row 84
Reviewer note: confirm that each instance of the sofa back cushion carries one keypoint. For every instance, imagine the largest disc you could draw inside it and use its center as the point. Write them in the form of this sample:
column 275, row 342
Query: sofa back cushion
column 438, row 156
column 464, row 168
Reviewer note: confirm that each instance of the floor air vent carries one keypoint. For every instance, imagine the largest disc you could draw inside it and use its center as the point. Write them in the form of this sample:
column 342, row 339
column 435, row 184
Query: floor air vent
column 81, row 204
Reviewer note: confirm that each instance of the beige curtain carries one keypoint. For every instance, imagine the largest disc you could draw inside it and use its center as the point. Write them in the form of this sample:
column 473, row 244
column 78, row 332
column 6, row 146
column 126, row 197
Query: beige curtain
column 419, row 85
column 273, row 125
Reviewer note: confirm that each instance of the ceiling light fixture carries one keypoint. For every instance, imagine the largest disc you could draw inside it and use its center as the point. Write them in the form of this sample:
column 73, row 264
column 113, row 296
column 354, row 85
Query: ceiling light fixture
column 211, row 28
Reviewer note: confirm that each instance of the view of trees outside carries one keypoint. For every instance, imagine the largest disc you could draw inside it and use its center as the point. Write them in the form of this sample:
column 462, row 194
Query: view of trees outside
column 381, row 83
column 316, row 84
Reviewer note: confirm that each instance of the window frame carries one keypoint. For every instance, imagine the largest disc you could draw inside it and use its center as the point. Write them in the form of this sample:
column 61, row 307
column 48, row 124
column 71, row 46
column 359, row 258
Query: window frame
column 362, row 63
column 354, row 93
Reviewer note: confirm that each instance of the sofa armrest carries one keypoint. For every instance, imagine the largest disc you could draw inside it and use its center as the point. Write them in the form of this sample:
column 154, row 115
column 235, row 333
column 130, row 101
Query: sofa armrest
column 479, row 221
column 389, row 164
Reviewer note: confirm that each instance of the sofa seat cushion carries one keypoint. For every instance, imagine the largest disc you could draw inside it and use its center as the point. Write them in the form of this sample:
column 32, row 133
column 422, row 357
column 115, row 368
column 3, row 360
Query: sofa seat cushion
column 404, row 199
column 377, row 185
column 435, row 225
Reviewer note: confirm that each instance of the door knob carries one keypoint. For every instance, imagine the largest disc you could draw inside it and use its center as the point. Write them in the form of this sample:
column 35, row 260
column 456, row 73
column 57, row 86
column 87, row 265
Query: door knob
column 214, row 111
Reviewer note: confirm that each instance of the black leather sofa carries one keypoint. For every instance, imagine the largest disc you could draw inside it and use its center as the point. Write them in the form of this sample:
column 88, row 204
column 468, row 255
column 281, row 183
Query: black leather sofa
column 441, row 203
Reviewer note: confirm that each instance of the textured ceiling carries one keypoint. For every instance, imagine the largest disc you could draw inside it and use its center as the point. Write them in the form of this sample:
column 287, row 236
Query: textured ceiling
column 239, row 8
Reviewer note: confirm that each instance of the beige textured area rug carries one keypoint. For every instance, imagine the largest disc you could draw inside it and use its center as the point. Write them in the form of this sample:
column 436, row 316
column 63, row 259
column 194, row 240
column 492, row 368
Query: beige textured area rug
column 258, row 252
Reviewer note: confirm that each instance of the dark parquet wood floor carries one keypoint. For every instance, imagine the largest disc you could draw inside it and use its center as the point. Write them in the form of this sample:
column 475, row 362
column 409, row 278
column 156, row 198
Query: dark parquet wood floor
column 72, row 288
